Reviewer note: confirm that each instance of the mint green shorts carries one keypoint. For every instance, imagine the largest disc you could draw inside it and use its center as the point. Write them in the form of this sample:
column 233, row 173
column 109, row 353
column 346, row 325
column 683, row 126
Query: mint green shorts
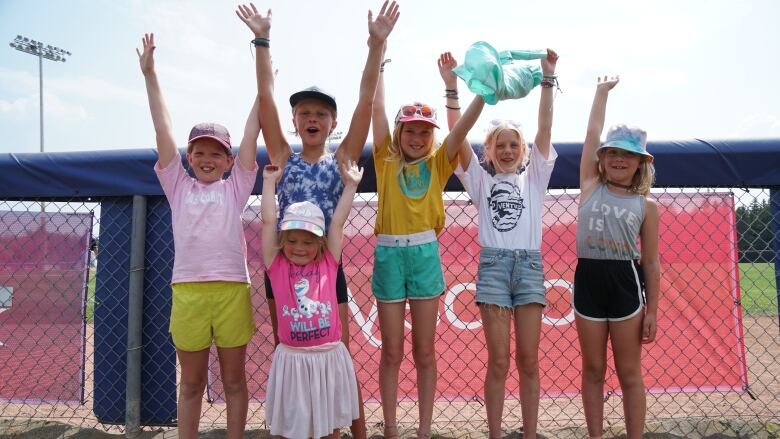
column 404, row 271
column 203, row 312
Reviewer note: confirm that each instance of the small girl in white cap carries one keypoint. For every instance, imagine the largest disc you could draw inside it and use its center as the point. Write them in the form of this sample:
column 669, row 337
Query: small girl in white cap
column 616, row 285
column 312, row 390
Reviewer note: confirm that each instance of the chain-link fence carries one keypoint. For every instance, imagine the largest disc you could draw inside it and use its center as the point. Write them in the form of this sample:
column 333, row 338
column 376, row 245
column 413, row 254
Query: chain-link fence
column 63, row 271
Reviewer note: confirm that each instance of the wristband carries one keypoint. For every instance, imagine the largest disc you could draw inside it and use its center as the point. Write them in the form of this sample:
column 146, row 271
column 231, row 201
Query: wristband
column 262, row 42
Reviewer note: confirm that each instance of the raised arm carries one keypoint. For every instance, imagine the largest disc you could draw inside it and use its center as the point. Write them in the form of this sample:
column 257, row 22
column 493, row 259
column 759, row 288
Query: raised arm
column 166, row 145
column 378, row 31
column 247, row 151
column 271, row 174
column 456, row 139
column 350, row 175
column 273, row 135
column 544, row 131
column 589, row 161
column 651, row 267
column 380, row 125
column 446, row 63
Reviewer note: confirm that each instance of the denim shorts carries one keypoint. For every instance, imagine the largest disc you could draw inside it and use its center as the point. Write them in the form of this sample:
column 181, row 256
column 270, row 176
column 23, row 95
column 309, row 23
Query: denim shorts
column 509, row 278
column 407, row 267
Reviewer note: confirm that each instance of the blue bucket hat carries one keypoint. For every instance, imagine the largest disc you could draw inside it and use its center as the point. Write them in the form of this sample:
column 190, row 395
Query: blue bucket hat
column 628, row 138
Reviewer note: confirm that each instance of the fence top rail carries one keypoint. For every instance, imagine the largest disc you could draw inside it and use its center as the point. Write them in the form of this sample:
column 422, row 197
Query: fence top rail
column 683, row 163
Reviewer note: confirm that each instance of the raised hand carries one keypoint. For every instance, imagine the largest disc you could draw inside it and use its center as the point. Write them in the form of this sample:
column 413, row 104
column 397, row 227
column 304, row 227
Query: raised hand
column 548, row 64
column 351, row 174
column 272, row 172
column 380, row 28
column 446, row 64
column 146, row 59
column 259, row 25
column 607, row 83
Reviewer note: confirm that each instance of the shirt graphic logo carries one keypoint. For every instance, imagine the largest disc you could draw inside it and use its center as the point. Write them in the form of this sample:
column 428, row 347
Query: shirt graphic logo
column 506, row 205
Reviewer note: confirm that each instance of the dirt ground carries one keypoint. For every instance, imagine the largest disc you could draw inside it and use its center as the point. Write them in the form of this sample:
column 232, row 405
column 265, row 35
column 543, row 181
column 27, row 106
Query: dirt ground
column 752, row 414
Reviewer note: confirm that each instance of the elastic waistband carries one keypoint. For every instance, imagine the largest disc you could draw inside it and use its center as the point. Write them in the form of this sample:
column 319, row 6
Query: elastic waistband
column 329, row 346
column 406, row 240
column 491, row 251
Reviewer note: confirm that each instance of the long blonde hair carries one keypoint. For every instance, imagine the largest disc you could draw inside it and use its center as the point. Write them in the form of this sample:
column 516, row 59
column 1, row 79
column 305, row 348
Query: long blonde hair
column 643, row 178
column 489, row 157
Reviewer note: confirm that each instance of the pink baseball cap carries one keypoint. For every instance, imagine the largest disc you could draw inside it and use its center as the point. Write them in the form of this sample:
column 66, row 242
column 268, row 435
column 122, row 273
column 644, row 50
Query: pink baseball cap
column 211, row 130
column 304, row 215
column 416, row 112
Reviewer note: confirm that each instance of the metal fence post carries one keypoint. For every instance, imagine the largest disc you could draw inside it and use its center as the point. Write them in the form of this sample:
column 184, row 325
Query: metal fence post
column 774, row 209
column 135, row 317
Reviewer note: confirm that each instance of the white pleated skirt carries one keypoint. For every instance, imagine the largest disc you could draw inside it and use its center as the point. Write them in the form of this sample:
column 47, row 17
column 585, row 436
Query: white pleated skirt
column 311, row 391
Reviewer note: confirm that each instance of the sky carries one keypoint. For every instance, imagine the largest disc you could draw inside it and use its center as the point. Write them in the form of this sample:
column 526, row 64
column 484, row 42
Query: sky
column 689, row 69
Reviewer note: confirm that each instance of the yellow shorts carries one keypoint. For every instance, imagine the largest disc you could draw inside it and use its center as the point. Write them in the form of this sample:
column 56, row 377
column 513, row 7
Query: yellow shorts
column 206, row 311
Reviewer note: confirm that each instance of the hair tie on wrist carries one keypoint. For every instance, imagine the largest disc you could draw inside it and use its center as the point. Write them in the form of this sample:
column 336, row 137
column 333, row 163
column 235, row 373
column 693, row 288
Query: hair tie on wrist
column 451, row 108
column 263, row 42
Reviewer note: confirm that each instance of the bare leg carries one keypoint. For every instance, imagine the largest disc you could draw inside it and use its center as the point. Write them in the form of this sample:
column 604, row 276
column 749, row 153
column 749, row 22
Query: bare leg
column 593, row 344
column 194, row 367
column 358, row 427
column 391, row 326
column 495, row 323
column 424, row 314
column 232, row 363
column 528, row 324
column 626, row 339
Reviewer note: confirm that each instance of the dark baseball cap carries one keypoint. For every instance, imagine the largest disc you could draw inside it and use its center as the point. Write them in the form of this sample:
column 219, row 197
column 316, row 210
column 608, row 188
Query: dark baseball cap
column 313, row 92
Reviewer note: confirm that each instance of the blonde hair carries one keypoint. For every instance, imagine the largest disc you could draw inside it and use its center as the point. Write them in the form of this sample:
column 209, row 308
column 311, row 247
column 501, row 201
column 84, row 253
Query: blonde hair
column 320, row 249
column 643, row 178
column 489, row 156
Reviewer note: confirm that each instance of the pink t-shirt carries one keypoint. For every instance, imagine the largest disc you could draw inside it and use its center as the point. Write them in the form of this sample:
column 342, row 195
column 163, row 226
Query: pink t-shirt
column 307, row 310
column 208, row 235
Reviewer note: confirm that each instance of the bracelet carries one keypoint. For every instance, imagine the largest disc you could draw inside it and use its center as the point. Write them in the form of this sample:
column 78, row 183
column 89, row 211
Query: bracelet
column 451, row 108
column 449, row 90
column 550, row 82
column 263, row 42
column 455, row 96
column 382, row 66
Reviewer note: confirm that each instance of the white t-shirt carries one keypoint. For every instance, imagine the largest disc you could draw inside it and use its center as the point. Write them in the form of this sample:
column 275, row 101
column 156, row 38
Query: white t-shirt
column 510, row 205
column 208, row 236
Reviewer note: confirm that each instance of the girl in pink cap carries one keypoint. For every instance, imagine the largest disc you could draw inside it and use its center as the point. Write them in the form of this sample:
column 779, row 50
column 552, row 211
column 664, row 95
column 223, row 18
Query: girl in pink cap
column 411, row 173
column 312, row 390
column 209, row 268
column 616, row 283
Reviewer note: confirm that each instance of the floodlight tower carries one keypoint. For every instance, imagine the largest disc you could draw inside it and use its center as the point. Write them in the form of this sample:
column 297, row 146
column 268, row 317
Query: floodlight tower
column 37, row 48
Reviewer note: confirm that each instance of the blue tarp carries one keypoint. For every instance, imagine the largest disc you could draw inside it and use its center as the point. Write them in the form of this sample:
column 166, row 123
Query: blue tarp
column 723, row 163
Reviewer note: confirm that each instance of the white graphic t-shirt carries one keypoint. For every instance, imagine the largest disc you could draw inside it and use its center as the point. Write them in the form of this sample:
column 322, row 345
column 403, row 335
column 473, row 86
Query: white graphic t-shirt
column 510, row 205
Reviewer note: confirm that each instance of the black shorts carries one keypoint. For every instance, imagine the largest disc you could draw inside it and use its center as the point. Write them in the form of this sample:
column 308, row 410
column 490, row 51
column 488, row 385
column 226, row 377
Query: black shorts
column 341, row 286
column 608, row 290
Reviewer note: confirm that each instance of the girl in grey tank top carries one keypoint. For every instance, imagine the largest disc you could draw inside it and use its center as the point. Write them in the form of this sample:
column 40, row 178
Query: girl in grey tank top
column 616, row 283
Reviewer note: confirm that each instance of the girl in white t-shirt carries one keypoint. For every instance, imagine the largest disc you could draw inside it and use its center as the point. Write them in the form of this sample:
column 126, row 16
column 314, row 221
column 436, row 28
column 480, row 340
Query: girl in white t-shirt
column 510, row 197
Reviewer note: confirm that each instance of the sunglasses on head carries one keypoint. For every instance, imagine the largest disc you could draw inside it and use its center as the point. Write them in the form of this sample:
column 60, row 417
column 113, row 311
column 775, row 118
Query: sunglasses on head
column 496, row 122
column 422, row 110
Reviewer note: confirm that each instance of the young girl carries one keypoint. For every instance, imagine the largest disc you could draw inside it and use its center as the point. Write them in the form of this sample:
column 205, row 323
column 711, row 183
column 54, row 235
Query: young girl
column 615, row 179
column 411, row 175
column 312, row 390
column 312, row 174
column 509, row 196
column 211, row 294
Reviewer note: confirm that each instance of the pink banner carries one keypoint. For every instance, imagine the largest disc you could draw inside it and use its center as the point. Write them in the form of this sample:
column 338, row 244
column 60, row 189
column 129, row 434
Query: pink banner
column 699, row 345
column 43, row 272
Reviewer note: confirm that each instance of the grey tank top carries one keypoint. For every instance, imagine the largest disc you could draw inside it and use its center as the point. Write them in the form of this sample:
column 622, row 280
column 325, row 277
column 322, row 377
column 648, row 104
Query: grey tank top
column 608, row 225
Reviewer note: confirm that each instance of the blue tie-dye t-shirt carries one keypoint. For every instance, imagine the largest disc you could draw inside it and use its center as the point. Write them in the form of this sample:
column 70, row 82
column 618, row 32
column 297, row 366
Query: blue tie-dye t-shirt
column 319, row 183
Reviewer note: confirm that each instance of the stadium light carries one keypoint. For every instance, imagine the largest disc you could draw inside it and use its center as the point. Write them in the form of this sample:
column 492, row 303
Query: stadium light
column 47, row 51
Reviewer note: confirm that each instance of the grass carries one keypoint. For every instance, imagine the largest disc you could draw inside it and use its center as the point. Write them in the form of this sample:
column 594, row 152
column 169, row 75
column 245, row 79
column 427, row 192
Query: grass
column 758, row 288
column 91, row 297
